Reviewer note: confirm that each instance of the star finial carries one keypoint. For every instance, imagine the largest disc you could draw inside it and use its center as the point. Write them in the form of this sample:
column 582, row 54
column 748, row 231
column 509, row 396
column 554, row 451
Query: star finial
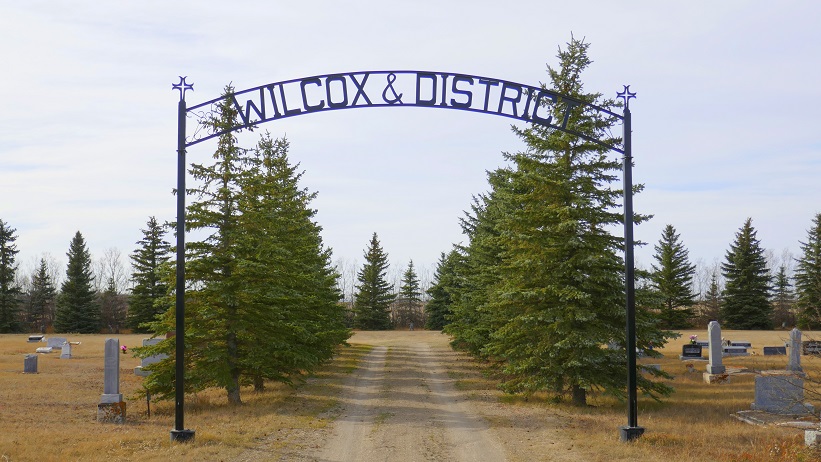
column 182, row 87
column 626, row 95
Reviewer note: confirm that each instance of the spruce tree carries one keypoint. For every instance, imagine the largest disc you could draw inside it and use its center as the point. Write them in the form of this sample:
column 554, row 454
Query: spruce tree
column 808, row 278
column 408, row 303
column 374, row 294
column 559, row 294
column 783, row 299
column 263, row 303
column 9, row 290
column 746, row 303
column 77, row 309
column 438, row 308
column 672, row 277
column 472, row 319
column 41, row 298
column 712, row 300
column 148, row 285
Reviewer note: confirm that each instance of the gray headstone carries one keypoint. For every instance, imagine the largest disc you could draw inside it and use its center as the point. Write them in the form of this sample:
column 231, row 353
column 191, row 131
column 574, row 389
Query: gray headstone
column 55, row 342
column 715, row 366
column 151, row 359
column 44, row 350
column 30, row 364
column 111, row 374
column 795, row 351
column 780, row 394
column 775, row 350
column 66, row 351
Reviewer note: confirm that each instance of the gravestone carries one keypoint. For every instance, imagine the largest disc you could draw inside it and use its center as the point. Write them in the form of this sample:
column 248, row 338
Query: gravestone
column 35, row 338
column 795, row 354
column 56, row 342
column 741, row 343
column 734, row 351
column 149, row 360
column 691, row 351
column 811, row 347
column 780, row 392
column 716, row 372
column 775, row 350
column 112, row 407
column 66, row 351
column 30, row 364
column 44, row 350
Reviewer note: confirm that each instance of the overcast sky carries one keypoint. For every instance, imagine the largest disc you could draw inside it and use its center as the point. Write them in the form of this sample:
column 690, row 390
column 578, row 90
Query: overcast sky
column 725, row 125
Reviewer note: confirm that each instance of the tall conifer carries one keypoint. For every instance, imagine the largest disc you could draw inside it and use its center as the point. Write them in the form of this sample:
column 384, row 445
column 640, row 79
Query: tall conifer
column 438, row 308
column 559, row 292
column 77, row 307
column 746, row 303
column 9, row 290
column 808, row 278
column 148, row 284
column 672, row 277
column 42, row 296
column 374, row 294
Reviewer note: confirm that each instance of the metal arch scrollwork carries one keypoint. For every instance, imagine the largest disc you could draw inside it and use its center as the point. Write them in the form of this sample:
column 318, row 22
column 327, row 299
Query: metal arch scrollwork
column 401, row 88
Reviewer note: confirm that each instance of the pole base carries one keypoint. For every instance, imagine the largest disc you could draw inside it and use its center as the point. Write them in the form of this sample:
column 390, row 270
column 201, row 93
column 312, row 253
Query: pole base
column 182, row 436
column 630, row 433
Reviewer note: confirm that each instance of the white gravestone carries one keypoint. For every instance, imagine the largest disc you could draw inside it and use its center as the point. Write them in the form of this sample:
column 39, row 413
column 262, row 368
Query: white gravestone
column 149, row 360
column 65, row 353
column 112, row 407
column 111, row 374
column 55, row 342
column 715, row 366
column 795, row 351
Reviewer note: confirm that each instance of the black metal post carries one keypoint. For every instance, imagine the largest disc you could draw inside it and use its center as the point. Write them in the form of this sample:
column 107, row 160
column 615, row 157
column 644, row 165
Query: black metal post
column 632, row 430
column 179, row 433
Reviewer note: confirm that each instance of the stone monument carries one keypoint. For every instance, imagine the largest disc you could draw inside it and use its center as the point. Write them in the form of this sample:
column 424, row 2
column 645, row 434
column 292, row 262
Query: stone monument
column 795, row 352
column 65, row 352
column 716, row 372
column 112, row 407
column 30, row 364
column 149, row 360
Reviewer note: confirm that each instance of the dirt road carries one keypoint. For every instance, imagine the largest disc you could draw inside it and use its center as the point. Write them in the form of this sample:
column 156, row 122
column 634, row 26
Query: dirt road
column 402, row 404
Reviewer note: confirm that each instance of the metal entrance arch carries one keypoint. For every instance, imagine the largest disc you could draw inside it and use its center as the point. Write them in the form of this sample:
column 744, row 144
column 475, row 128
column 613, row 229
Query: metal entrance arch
column 400, row 88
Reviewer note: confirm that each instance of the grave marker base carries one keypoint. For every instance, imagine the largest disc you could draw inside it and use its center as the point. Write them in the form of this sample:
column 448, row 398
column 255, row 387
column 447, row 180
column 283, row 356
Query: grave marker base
column 111, row 412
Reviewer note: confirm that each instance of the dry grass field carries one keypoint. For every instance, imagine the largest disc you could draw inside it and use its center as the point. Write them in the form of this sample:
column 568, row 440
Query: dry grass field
column 52, row 415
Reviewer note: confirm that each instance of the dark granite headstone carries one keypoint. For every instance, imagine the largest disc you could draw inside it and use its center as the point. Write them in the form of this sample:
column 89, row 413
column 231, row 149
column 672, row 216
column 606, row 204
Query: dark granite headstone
column 775, row 350
column 691, row 351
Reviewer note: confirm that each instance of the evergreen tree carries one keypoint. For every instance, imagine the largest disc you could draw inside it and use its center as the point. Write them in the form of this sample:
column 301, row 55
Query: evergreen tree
column 408, row 304
column 77, row 308
column 263, row 297
column 472, row 318
column 746, row 304
column 113, row 307
column 438, row 308
column 374, row 295
column 41, row 298
column 783, row 299
column 713, row 300
column 148, row 285
column 558, row 294
column 9, row 290
column 808, row 278
column 673, row 278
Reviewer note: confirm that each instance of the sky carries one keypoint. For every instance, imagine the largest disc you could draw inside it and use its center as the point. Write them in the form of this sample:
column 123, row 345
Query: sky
column 725, row 123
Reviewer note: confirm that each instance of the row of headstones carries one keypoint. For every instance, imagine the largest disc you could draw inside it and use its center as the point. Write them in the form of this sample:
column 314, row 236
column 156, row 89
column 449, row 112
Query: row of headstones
column 777, row 392
column 718, row 348
column 112, row 408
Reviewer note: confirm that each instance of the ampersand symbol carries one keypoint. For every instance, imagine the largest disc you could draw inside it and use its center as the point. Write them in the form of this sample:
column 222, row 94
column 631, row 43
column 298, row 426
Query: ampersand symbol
column 396, row 98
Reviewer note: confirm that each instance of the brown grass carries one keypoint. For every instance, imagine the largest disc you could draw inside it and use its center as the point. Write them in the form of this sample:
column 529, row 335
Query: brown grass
column 695, row 423
column 52, row 415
